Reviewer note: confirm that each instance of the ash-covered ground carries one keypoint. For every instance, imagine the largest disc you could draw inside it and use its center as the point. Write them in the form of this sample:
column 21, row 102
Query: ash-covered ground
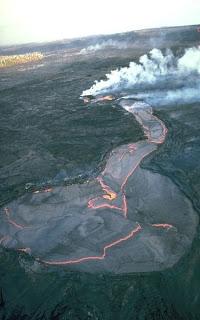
column 55, row 153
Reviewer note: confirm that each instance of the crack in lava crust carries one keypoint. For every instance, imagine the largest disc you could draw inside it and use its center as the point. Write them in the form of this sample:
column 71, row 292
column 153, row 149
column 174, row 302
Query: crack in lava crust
column 108, row 246
column 11, row 221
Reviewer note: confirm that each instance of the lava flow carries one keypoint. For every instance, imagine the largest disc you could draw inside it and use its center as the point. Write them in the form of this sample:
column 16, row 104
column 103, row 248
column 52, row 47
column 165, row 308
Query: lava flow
column 109, row 197
column 121, row 164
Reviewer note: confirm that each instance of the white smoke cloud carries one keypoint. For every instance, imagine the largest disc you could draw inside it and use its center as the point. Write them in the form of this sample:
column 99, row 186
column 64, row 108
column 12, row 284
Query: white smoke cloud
column 190, row 61
column 105, row 44
column 153, row 68
column 168, row 97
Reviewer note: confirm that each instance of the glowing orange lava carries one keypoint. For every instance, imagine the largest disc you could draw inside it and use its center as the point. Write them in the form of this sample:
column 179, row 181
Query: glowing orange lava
column 98, row 99
column 106, row 98
column 108, row 246
column 15, row 224
column 163, row 225
column 44, row 190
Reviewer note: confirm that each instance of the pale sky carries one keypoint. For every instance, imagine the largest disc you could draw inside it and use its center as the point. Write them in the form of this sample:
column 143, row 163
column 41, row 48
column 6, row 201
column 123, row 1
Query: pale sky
column 23, row 21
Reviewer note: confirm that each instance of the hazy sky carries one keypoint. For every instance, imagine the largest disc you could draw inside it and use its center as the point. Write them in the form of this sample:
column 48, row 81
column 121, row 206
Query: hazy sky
column 24, row 21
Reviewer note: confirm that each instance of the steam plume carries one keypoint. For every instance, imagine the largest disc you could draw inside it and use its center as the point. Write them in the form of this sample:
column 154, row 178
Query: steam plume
column 173, row 77
column 105, row 44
